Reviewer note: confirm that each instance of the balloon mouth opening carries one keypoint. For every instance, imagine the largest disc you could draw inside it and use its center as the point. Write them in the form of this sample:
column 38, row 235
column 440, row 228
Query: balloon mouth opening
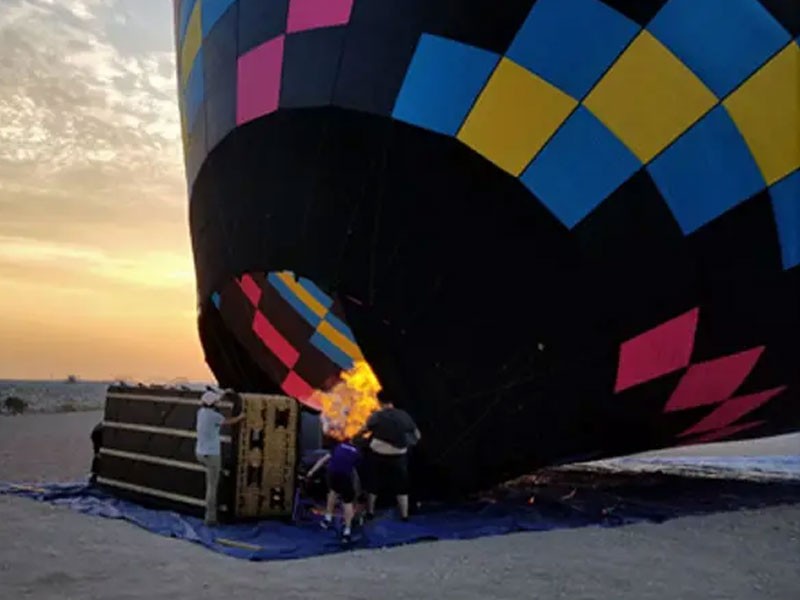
column 299, row 337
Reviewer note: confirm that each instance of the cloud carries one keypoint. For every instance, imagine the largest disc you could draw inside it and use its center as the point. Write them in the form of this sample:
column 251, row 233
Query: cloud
column 78, row 113
column 89, row 135
column 155, row 269
column 95, row 256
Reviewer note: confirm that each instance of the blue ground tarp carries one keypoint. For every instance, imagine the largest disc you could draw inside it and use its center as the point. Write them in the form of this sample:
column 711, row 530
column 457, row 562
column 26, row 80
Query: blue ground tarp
column 561, row 503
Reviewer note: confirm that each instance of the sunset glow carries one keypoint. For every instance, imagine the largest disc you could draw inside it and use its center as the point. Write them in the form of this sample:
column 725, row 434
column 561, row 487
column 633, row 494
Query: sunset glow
column 95, row 259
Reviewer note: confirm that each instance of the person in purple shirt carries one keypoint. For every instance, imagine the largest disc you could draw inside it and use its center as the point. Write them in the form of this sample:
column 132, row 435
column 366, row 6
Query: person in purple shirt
column 342, row 461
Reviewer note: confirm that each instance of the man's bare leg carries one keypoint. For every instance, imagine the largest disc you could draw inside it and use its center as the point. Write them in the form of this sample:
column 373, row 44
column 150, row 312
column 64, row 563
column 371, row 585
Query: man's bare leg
column 329, row 506
column 349, row 513
column 402, row 505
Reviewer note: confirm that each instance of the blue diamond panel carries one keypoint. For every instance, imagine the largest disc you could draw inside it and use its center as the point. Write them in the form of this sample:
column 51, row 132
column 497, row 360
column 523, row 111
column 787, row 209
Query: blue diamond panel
column 318, row 295
column 219, row 50
column 212, row 11
column 442, row 83
column 219, row 60
column 376, row 56
column 195, row 87
column 571, row 43
column 340, row 327
column 786, row 206
column 722, row 41
column 579, row 168
column 706, row 172
column 298, row 305
column 332, row 351
column 184, row 15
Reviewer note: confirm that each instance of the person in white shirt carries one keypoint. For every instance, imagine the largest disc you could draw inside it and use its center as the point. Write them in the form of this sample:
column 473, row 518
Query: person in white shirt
column 208, row 447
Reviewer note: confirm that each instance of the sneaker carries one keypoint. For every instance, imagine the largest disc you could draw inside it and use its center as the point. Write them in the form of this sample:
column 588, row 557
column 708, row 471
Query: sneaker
column 326, row 523
column 347, row 537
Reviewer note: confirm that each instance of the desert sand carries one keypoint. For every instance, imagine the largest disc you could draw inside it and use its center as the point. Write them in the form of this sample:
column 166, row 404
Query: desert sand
column 52, row 552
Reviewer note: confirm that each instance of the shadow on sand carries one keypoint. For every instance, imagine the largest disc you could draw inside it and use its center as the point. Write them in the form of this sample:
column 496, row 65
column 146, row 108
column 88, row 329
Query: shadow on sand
column 618, row 498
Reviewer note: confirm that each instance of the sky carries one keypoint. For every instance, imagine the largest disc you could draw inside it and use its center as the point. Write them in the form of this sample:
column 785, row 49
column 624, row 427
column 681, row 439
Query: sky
column 96, row 271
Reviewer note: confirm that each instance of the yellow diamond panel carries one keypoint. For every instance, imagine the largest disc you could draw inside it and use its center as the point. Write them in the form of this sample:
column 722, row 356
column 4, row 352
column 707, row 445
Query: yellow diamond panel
column 766, row 109
column 649, row 97
column 339, row 340
column 514, row 117
column 191, row 43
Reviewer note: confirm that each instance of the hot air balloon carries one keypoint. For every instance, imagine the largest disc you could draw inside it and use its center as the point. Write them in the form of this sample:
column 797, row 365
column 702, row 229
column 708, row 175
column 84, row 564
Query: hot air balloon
column 557, row 230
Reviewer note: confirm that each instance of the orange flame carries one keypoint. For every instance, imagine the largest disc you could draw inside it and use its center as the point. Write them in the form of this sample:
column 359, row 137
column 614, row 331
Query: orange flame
column 348, row 404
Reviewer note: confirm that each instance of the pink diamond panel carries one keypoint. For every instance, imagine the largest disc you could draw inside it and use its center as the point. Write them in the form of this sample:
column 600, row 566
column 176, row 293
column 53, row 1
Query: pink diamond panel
column 732, row 410
column 273, row 340
column 712, row 381
column 654, row 353
column 250, row 289
column 313, row 14
column 297, row 387
column 258, row 86
column 721, row 434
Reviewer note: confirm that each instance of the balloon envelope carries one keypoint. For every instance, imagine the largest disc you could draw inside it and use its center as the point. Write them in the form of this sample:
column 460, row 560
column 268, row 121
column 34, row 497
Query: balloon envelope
column 557, row 230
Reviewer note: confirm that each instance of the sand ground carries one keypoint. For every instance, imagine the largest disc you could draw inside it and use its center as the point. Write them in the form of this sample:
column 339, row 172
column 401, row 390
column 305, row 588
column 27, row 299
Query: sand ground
column 51, row 552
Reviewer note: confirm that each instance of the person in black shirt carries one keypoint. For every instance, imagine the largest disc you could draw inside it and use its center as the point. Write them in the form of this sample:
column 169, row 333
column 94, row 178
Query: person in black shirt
column 393, row 432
